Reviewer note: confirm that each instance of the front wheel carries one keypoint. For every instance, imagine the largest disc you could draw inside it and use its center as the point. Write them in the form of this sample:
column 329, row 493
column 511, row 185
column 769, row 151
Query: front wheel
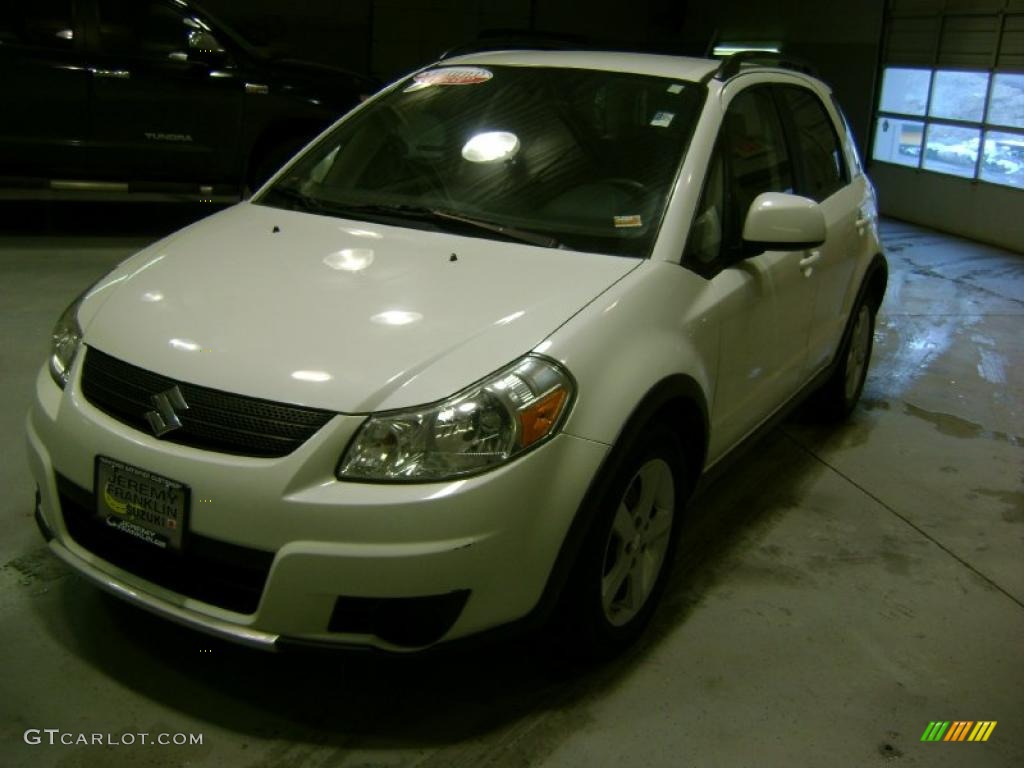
column 626, row 556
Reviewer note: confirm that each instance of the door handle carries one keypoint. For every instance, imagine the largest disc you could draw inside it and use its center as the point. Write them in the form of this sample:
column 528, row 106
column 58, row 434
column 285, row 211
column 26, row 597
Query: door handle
column 810, row 260
column 119, row 74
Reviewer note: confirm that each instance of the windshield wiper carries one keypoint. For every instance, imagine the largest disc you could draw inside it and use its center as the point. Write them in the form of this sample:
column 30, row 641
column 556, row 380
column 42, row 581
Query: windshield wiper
column 298, row 199
column 523, row 235
column 422, row 212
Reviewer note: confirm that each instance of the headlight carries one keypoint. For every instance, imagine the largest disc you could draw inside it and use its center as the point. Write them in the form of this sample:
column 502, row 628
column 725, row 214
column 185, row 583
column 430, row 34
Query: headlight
column 64, row 343
column 485, row 425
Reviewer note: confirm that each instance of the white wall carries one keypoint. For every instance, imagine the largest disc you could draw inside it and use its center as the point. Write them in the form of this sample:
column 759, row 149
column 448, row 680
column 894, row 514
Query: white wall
column 985, row 212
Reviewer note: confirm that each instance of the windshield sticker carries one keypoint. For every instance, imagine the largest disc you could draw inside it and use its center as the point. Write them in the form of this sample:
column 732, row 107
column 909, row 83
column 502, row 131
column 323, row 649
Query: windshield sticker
column 628, row 221
column 675, row 88
column 450, row 76
column 662, row 119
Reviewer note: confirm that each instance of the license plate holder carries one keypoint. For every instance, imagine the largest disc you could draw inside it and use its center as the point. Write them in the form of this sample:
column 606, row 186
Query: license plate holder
column 135, row 502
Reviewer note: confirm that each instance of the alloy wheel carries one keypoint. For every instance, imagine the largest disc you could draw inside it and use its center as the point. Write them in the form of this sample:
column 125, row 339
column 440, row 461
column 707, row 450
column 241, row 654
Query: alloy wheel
column 857, row 357
column 637, row 542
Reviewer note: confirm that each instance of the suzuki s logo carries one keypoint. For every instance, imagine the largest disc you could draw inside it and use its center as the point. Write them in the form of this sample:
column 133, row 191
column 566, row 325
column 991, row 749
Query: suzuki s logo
column 165, row 418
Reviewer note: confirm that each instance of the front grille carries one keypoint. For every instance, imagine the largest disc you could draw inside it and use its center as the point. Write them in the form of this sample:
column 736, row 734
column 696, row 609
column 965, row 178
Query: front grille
column 215, row 572
column 215, row 420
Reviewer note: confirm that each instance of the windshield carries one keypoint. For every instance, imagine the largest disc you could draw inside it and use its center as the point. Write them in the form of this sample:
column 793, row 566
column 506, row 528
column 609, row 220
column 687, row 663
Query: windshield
column 560, row 157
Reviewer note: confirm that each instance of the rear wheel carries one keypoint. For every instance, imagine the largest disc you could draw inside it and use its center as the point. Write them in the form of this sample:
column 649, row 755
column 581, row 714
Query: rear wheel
column 622, row 567
column 857, row 356
column 838, row 396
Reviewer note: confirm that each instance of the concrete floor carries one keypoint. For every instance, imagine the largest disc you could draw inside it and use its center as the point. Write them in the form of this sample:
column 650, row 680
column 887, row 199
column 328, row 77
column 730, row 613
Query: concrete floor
column 840, row 589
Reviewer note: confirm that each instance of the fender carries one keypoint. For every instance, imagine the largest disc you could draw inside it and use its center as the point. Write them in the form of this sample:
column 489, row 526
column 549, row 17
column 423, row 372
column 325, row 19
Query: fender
column 678, row 398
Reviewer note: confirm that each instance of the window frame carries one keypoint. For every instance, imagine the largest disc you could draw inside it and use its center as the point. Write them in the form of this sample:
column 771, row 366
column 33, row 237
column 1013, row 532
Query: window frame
column 730, row 256
column 708, row 269
column 984, row 126
column 96, row 39
column 802, row 185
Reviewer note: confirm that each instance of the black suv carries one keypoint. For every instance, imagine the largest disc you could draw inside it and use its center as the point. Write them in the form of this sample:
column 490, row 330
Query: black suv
column 150, row 97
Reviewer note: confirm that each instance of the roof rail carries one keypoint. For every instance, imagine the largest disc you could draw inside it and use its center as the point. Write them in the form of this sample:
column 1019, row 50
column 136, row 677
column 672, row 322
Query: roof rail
column 503, row 40
column 737, row 62
column 520, row 40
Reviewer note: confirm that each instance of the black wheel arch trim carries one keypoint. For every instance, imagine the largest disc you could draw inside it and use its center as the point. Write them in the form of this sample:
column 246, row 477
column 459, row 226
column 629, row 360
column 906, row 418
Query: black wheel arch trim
column 877, row 270
column 880, row 267
column 678, row 390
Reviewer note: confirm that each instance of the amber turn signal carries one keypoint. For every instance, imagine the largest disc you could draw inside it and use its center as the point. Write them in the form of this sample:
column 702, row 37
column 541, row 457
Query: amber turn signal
column 538, row 419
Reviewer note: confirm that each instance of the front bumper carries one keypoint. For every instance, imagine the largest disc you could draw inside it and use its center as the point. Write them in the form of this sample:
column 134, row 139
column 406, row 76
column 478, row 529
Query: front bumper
column 337, row 556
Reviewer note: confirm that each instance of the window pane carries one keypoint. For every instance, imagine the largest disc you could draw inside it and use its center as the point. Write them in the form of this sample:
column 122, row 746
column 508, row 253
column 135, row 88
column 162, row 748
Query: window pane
column 959, row 95
column 142, row 28
column 588, row 157
column 951, row 149
column 756, row 155
column 705, row 242
column 1006, row 106
column 1003, row 162
column 45, row 23
column 905, row 90
column 898, row 141
column 820, row 155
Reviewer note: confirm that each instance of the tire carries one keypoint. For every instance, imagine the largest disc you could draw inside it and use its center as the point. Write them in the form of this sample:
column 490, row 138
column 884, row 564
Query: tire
column 839, row 394
column 626, row 557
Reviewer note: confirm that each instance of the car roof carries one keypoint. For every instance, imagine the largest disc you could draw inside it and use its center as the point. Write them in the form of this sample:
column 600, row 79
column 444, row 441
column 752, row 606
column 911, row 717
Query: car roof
column 677, row 67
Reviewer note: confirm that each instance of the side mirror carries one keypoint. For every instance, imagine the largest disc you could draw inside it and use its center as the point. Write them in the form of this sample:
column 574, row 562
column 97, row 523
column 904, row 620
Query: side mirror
column 780, row 222
column 203, row 46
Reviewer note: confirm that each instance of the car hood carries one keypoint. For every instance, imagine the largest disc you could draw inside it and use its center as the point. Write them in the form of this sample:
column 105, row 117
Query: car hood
column 344, row 315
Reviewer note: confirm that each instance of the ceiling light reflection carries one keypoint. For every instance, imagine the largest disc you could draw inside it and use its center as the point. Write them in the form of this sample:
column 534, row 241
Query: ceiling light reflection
column 316, row 376
column 373, row 235
column 490, row 146
column 448, row 489
column 184, row 344
column 350, row 259
column 510, row 318
column 396, row 317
